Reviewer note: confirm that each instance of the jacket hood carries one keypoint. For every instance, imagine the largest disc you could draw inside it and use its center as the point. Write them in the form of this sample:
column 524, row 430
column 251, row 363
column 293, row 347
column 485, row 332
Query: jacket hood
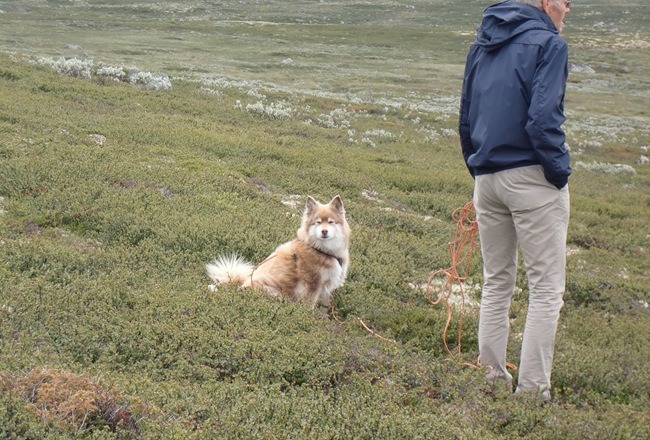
column 506, row 20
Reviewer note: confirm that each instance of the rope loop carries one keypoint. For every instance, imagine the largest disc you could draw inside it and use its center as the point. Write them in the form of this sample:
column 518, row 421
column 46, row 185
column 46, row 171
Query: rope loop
column 461, row 252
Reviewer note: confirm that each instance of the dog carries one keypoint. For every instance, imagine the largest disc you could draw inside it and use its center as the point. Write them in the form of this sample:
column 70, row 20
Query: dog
column 306, row 269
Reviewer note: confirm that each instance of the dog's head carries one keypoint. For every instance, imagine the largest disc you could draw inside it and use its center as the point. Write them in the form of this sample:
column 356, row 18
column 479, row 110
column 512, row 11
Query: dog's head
column 325, row 226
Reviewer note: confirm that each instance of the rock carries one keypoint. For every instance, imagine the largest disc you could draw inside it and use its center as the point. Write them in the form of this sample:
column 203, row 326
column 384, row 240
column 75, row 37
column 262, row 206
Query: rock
column 581, row 68
column 100, row 139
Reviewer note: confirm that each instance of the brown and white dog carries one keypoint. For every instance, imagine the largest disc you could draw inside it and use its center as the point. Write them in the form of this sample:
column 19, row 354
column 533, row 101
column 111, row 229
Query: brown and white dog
column 306, row 269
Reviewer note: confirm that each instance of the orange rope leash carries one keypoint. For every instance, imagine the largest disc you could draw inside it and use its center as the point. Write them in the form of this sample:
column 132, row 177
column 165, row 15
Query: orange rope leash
column 461, row 251
column 258, row 265
column 334, row 315
column 478, row 365
column 377, row 335
column 372, row 332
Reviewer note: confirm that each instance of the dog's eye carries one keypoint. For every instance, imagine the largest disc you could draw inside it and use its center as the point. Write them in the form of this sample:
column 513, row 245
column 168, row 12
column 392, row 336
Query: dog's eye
column 331, row 222
column 317, row 222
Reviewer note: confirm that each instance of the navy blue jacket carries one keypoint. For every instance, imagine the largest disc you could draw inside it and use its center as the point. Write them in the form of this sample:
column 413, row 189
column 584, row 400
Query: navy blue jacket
column 512, row 104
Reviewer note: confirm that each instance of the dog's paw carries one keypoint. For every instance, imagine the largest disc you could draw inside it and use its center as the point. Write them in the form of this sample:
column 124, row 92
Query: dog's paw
column 212, row 287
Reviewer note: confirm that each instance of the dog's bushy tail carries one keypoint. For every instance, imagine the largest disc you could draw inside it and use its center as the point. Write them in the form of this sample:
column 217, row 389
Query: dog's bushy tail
column 229, row 269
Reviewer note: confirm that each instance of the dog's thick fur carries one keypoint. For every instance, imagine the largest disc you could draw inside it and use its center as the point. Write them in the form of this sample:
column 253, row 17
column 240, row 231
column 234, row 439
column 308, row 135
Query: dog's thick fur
column 306, row 269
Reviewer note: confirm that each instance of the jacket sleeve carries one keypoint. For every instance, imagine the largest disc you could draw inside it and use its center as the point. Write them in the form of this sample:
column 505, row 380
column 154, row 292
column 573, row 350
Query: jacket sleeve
column 463, row 118
column 546, row 112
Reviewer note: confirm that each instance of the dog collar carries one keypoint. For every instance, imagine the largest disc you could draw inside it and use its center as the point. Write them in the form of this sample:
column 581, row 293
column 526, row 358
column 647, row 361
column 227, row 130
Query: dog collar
column 339, row 259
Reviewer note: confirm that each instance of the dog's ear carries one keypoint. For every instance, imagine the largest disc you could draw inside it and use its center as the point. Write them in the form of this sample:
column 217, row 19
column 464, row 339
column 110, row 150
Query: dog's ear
column 311, row 204
column 337, row 204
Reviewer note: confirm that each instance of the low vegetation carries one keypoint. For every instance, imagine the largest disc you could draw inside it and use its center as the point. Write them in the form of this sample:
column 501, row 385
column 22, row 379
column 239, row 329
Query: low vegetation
column 113, row 196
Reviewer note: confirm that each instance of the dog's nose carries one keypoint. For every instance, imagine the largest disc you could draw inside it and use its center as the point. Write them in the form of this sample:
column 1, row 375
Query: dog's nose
column 324, row 232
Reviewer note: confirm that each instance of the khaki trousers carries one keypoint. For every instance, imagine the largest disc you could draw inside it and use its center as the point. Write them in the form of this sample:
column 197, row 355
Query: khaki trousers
column 519, row 208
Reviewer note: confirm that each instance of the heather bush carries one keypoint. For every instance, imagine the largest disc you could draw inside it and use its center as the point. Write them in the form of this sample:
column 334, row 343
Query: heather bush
column 83, row 69
column 73, row 403
column 73, row 67
column 115, row 73
column 274, row 110
column 150, row 81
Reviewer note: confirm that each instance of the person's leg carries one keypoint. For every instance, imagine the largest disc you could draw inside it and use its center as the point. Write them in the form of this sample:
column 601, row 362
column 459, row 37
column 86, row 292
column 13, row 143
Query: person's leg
column 542, row 232
column 499, row 252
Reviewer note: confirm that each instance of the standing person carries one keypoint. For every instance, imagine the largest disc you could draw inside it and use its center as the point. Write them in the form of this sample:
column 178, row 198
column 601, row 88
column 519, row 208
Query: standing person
column 512, row 110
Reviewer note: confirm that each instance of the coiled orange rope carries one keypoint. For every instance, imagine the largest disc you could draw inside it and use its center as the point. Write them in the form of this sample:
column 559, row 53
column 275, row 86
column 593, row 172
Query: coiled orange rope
column 368, row 329
column 461, row 251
